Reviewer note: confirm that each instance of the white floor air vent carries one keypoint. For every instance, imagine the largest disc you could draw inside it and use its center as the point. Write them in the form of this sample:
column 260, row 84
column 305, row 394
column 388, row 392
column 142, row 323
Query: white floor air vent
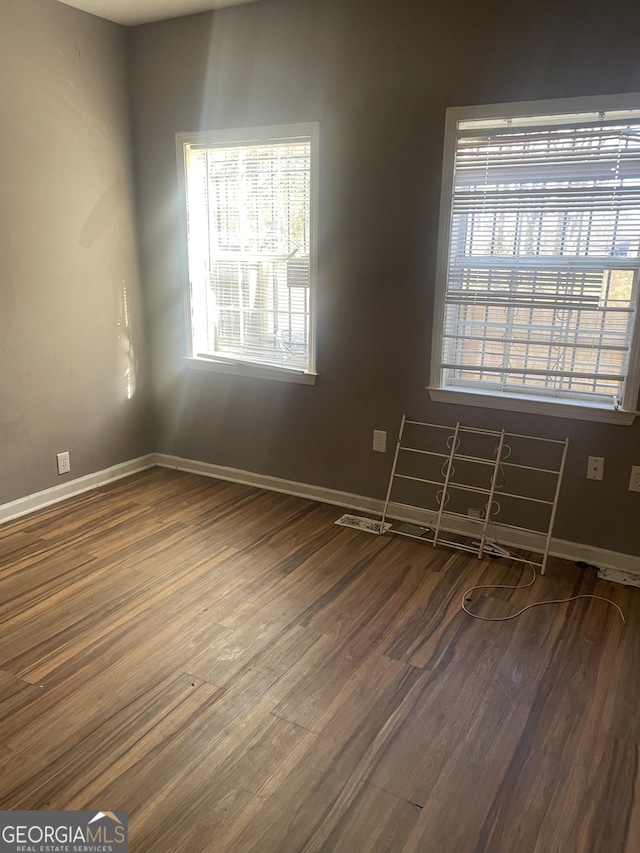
column 358, row 522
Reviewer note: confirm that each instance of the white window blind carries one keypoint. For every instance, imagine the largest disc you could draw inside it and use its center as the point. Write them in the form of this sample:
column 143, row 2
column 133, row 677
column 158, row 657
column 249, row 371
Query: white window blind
column 541, row 286
column 250, row 247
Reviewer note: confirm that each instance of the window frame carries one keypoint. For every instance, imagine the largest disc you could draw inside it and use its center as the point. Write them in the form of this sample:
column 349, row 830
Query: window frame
column 218, row 363
column 533, row 403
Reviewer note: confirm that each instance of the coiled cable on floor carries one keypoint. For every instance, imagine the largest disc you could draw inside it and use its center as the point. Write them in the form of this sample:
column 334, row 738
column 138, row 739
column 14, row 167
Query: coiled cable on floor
column 465, row 599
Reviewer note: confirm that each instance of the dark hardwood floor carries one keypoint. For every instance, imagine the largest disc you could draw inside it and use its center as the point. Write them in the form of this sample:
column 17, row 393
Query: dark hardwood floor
column 240, row 674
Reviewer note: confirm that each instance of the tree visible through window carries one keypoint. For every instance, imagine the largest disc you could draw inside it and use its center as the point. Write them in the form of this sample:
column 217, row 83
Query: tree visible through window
column 539, row 285
column 250, row 244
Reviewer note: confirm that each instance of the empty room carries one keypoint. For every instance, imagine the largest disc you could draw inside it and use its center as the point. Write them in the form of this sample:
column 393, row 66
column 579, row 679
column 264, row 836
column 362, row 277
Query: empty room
column 319, row 428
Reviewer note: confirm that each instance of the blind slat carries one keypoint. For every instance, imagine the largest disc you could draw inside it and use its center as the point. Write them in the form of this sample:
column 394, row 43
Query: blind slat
column 530, row 371
column 538, row 342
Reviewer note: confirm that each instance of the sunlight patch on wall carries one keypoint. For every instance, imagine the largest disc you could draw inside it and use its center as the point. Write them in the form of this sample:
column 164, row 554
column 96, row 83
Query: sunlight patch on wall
column 125, row 337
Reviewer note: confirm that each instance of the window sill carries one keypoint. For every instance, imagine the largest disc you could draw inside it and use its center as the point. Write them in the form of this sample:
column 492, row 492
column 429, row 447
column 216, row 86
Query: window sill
column 255, row 371
column 531, row 405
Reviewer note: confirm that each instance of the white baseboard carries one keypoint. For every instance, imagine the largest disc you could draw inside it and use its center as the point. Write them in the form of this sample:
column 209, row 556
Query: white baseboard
column 70, row 488
column 271, row 484
column 617, row 565
column 628, row 578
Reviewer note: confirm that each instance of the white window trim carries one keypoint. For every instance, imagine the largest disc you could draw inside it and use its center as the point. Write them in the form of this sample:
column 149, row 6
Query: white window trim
column 530, row 405
column 233, row 366
column 255, row 371
column 507, row 402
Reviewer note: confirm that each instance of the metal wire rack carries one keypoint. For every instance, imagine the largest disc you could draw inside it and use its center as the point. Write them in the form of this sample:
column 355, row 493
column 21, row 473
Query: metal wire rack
column 489, row 467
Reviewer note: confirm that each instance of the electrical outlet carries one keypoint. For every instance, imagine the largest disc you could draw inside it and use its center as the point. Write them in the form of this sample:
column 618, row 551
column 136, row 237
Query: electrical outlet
column 380, row 440
column 473, row 512
column 64, row 463
column 595, row 468
column 634, row 481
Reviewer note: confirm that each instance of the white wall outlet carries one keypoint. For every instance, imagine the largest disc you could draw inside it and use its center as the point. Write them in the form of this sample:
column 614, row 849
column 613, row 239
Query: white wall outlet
column 634, row 480
column 380, row 441
column 473, row 512
column 64, row 463
column 595, row 468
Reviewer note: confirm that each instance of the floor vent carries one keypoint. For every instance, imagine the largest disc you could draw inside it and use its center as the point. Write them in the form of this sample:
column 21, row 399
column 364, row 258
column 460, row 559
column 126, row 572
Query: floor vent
column 358, row 522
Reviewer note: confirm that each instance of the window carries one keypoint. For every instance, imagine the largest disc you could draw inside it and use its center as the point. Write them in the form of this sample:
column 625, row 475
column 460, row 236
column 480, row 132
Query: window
column 249, row 204
column 539, row 258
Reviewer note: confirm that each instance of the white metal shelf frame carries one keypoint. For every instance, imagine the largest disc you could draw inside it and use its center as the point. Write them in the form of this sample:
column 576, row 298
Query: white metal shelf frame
column 492, row 491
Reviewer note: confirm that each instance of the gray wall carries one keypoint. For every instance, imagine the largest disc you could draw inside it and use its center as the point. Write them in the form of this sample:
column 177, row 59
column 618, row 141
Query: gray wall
column 67, row 250
column 378, row 76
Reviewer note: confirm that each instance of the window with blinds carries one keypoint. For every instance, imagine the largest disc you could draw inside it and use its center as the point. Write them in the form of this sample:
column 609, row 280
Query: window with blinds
column 249, row 211
column 539, row 273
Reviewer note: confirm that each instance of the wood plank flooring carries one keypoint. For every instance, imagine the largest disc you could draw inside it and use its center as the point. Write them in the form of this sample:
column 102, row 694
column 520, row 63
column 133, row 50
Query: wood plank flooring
column 241, row 675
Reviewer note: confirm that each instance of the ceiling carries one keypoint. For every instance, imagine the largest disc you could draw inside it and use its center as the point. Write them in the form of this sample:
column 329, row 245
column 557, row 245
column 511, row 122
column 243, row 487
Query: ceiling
column 131, row 12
